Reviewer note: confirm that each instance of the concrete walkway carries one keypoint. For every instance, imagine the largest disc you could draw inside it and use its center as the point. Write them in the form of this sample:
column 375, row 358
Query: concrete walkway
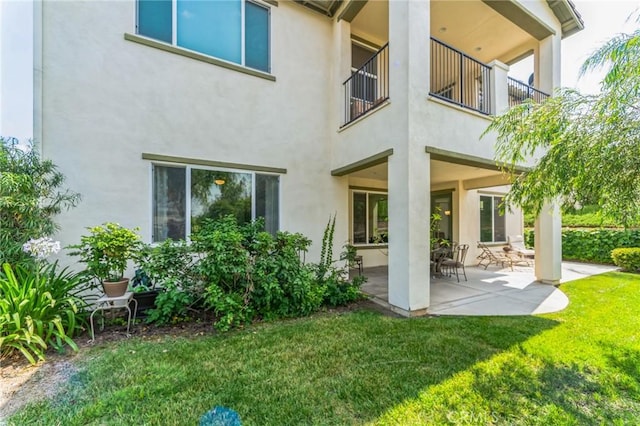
column 496, row 291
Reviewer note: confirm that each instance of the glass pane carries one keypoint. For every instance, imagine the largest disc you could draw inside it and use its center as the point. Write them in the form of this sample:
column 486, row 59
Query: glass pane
column 169, row 203
column 378, row 218
column 442, row 206
column 256, row 36
column 486, row 213
column 267, row 189
column 211, row 27
column 499, row 232
column 154, row 19
column 215, row 194
column 359, row 218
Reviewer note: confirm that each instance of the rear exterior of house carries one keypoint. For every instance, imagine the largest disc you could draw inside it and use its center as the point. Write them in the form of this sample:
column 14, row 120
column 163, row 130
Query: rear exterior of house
column 161, row 113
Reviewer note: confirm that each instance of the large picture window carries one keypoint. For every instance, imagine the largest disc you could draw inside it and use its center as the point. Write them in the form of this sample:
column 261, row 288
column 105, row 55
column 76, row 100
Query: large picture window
column 492, row 221
column 370, row 215
column 234, row 30
column 183, row 196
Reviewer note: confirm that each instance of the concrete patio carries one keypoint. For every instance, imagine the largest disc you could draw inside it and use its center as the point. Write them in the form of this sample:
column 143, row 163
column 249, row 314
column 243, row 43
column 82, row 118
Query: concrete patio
column 495, row 291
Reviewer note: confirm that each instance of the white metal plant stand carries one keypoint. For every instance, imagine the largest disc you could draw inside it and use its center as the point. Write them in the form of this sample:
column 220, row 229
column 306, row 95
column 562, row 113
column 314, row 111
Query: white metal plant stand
column 106, row 303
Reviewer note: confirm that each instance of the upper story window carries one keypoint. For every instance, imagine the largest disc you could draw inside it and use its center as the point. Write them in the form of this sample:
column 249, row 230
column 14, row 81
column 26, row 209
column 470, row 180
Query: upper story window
column 234, row 30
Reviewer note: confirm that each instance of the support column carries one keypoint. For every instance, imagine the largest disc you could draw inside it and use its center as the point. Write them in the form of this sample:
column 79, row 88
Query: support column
column 409, row 167
column 409, row 208
column 547, row 64
column 548, row 245
column 498, row 89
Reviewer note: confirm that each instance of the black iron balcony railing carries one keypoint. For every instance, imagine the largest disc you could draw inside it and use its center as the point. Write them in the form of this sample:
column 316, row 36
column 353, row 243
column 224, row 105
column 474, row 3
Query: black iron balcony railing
column 368, row 86
column 519, row 91
column 459, row 78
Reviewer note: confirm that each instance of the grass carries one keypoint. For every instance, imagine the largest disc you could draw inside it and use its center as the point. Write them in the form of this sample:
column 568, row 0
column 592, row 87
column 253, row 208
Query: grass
column 579, row 366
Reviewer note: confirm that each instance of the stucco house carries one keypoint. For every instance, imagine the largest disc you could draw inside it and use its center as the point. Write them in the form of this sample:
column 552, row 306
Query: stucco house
column 162, row 112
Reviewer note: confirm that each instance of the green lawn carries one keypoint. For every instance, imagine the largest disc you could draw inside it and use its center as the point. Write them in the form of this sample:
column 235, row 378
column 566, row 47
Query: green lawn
column 579, row 366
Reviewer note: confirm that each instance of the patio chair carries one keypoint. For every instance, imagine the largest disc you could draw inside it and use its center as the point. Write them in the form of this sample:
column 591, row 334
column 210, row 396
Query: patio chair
column 488, row 257
column 516, row 243
column 459, row 255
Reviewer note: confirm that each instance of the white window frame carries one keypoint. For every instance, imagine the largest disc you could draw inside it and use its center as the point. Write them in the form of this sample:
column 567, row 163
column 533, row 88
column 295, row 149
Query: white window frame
column 493, row 219
column 187, row 168
column 367, row 236
column 174, row 32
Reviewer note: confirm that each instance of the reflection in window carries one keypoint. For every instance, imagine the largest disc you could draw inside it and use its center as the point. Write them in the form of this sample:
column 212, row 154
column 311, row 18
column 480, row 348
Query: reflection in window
column 370, row 218
column 211, row 194
column 169, row 203
column 492, row 221
column 215, row 28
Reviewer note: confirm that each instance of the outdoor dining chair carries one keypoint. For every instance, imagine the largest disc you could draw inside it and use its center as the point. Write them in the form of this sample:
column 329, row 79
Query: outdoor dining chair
column 459, row 255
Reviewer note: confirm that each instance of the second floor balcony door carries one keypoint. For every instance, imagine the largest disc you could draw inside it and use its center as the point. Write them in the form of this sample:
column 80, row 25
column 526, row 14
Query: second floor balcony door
column 365, row 78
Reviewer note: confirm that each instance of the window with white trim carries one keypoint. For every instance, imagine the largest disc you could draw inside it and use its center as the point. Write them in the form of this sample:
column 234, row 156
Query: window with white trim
column 234, row 30
column 492, row 221
column 183, row 196
column 370, row 217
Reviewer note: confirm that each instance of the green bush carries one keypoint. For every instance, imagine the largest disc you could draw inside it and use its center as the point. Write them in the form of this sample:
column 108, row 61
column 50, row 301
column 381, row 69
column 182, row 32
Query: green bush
column 627, row 258
column 171, row 267
column 593, row 245
column 242, row 273
column 39, row 307
column 586, row 217
column 251, row 274
column 31, row 195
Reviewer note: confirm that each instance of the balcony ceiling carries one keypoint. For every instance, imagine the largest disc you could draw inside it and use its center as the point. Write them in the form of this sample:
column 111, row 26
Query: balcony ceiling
column 468, row 25
column 478, row 30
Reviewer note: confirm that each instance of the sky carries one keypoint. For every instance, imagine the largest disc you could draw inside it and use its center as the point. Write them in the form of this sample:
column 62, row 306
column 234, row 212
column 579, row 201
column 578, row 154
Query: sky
column 603, row 19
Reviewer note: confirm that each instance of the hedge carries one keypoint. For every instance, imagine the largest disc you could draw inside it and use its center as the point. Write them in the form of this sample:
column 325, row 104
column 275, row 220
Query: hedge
column 593, row 245
column 627, row 258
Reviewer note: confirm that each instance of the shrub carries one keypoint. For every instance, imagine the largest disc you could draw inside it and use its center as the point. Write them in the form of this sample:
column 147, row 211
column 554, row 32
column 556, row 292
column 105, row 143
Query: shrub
column 31, row 195
column 594, row 245
column 171, row 266
column 338, row 290
column 249, row 273
column 39, row 307
column 627, row 258
column 242, row 273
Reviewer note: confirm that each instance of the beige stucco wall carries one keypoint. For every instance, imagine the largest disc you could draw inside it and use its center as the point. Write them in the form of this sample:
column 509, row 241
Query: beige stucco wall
column 107, row 100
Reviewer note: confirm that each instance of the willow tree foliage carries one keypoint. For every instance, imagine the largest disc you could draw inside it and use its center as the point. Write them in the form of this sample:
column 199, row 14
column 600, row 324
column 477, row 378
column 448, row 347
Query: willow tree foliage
column 586, row 148
column 31, row 194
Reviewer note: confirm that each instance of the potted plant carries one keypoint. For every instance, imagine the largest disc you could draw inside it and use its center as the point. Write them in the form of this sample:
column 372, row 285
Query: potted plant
column 106, row 252
column 144, row 291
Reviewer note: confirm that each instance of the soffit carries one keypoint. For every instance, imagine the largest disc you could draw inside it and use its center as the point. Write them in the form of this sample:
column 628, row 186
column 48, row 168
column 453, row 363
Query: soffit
column 326, row 7
column 568, row 16
column 476, row 29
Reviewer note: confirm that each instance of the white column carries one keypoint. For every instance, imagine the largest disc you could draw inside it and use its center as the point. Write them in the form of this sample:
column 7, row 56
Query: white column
column 409, row 208
column 409, row 166
column 498, row 89
column 547, row 64
column 548, row 245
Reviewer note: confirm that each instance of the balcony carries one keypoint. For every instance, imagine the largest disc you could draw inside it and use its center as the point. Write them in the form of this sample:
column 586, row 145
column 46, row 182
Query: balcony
column 464, row 81
column 519, row 92
column 459, row 78
column 368, row 86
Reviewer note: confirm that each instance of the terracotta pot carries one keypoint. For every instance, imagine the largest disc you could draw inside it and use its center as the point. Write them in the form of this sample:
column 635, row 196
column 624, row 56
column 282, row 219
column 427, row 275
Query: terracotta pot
column 115, row 288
